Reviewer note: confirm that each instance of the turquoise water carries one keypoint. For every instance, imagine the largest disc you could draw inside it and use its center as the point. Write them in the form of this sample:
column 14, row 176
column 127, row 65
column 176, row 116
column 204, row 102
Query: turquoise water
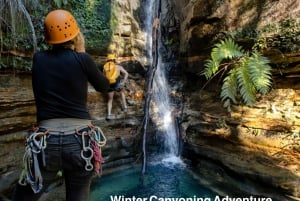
column 161, row 181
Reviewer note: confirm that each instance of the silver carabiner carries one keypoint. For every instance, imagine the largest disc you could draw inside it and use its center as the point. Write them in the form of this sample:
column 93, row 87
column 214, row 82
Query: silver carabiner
column 88, row 165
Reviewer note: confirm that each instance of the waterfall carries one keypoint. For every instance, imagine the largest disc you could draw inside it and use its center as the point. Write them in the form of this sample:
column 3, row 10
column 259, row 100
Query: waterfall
column 149, row 11
column 161, row 108
column 15, row 18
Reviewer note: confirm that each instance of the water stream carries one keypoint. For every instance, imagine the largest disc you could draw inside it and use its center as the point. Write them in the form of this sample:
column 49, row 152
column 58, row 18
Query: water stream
column 161, row 104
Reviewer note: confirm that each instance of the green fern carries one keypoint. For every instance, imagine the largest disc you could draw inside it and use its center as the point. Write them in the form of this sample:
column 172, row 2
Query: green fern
column 245, row 84
column 260, row 72
column 229, row 89
column 211, row 68
column 226, row 49
column 248, row 76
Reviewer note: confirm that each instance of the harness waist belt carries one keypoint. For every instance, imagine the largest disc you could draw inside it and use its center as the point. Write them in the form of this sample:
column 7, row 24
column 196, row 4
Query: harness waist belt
column 64, row 126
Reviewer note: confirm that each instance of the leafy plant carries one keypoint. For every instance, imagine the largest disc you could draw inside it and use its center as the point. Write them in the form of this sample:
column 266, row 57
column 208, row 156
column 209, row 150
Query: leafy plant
column 94, row 20
column 59, row 3
column 247, row 74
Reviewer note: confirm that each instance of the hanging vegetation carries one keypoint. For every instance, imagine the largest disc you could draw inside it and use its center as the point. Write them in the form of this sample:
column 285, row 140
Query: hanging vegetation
column 247, row 73
column 22, row 32
column 94, row 19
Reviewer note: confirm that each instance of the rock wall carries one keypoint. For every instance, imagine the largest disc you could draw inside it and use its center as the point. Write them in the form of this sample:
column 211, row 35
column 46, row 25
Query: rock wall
column 203, row 21
column 128, row 38
column 259, row 144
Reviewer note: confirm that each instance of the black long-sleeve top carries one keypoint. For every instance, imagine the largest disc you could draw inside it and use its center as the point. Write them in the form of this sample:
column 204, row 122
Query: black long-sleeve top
column 60, row 79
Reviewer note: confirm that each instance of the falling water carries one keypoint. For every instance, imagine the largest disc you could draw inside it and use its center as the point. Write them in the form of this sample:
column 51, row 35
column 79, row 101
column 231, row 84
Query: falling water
column 18, row 24
column 149, row 10
column 162, row 111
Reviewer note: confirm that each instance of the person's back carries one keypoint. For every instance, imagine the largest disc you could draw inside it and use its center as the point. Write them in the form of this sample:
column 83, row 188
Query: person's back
column 111, row 71
column 60, row 84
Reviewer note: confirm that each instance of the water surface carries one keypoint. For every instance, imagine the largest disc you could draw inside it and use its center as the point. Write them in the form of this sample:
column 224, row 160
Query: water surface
column 161, row 181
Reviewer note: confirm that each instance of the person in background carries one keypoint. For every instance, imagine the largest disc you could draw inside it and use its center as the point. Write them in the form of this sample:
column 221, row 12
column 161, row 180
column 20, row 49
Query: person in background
column 61, row 142
column 117, row 77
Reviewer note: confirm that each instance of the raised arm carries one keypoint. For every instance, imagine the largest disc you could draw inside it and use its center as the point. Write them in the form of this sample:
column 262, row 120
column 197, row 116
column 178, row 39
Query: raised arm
column 123, row 72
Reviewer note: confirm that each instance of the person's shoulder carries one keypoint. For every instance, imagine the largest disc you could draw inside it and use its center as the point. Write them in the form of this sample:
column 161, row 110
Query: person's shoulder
column 119, row 66
column 86, row 59
column 40, row 53
column 84, row 55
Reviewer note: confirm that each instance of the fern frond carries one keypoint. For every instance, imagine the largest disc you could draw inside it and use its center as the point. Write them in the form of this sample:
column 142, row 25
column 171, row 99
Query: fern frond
column 246, row 86
column 229, row 88
column 249, row 75
column 211, row 68
column 227, row 105
column 226, row 49
column 260, row 72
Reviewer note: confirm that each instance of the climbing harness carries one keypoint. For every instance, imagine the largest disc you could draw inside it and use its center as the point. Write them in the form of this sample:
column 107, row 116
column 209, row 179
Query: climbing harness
column 92, row 148
column 35, row 144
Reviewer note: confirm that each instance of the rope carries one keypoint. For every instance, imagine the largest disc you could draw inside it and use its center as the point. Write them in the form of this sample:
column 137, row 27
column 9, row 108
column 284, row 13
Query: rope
column 98, row 141
column 31, row 174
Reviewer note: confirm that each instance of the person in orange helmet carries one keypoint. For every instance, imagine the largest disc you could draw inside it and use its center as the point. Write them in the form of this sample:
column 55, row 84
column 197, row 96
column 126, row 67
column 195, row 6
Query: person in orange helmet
column 61, row 142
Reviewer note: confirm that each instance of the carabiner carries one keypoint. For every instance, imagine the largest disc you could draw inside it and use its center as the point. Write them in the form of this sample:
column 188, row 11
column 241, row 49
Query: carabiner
column 88, row 165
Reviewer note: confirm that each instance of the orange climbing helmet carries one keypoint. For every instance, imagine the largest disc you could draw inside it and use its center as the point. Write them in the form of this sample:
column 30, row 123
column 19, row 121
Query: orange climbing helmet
column 60, row 27
column 110, row 57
